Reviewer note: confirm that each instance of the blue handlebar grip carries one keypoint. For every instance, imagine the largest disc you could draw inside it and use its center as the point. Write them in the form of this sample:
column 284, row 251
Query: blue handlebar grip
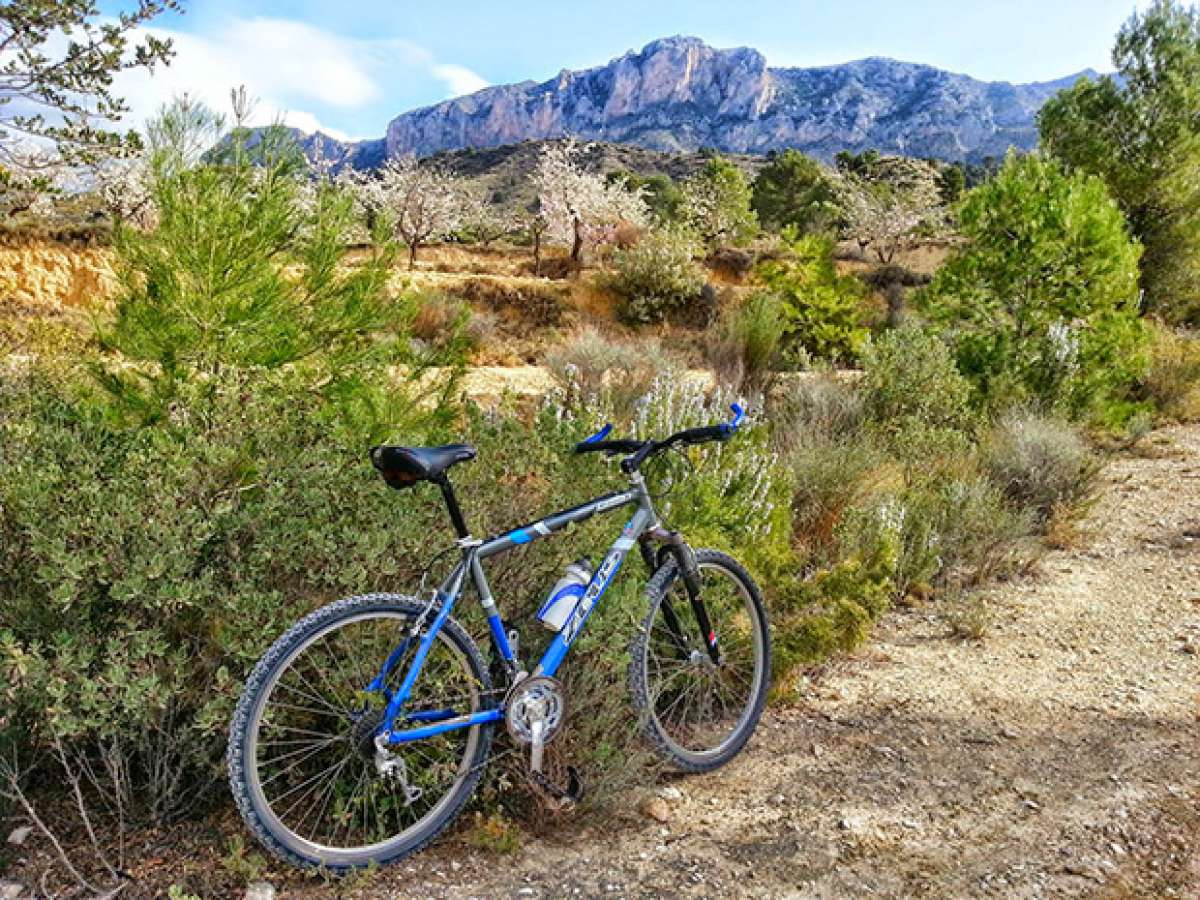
column 600, row 435
column 739, row 415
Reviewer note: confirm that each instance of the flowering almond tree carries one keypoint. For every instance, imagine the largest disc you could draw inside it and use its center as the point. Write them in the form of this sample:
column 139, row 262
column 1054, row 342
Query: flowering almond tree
column 716, row 204
column 27, row 183
column 581, row 208
column 884, row 213
column 124, row 185
column 421, row 202
column 484, row 219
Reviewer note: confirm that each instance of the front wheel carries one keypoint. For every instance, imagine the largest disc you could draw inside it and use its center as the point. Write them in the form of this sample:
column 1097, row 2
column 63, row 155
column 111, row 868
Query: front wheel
column 698, row 712
column 302, row 758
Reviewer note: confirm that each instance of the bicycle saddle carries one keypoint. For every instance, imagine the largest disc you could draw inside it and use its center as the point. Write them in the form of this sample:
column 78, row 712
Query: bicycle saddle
column 403, row 467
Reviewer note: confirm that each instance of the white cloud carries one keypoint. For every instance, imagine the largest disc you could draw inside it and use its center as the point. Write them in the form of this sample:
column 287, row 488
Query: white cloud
column 289, row 66
column 459, row 79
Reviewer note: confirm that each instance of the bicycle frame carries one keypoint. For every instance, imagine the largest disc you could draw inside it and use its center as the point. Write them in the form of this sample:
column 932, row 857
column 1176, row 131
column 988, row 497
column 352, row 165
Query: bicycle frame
column 641, row 527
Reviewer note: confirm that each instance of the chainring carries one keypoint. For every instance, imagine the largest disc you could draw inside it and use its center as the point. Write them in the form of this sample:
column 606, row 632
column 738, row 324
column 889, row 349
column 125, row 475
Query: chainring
column 537, row 697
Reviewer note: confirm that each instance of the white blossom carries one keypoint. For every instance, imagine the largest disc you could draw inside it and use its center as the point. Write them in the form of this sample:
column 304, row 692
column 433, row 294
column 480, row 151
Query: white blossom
column 885, row 214
column 422, row 202
column 125, row 187
column 581, row 209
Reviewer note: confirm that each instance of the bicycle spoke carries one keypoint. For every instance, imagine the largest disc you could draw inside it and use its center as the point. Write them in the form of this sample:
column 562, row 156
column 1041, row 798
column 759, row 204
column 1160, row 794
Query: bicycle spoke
column 696, row 703
column 316, row 758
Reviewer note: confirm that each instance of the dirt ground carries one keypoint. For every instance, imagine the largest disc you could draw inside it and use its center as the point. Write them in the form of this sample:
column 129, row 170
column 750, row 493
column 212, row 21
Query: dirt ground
column 1057, row 757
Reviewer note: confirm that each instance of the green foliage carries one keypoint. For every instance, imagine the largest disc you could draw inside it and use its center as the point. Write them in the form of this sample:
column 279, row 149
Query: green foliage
column 823, row 310
column 1042, row 302
column 60, row 60
column 170, row 509
column 1142, row 136
column 1040, row 463
column 912, row 386
column 717, row 204
column 175, row 551
column 657, row 276
column 748, row 348
column 795, row 190
column 663, row 195
column 244, row 270
column 952, row 183
column 864, row 163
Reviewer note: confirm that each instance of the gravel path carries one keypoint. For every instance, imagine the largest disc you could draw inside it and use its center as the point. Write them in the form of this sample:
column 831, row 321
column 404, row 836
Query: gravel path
column 1059, row 757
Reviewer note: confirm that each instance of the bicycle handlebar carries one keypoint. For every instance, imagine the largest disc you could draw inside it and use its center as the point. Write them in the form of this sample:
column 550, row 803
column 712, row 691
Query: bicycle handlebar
column 643, row 450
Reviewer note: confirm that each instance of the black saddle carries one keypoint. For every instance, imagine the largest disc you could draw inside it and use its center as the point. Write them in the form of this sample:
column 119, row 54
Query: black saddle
column 403, row 467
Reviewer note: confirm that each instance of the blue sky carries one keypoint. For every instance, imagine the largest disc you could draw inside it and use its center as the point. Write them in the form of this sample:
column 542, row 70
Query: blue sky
column 350, row 67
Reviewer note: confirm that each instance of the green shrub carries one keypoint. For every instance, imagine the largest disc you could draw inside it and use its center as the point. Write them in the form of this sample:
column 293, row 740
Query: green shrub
column 915, row 395
column 832, row 611
column 716, row 204
column 955, row 531
column 829, row 479
column 1040, row 463
column 747, row 348
column 795, row 190
column 823, row 310
column 1041, row 304
column 823, row 406
column 657, row 276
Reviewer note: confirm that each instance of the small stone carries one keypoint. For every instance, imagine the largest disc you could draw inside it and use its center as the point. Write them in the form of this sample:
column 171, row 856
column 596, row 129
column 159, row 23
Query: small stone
column 656, row 808
column 10, row 890
column 19, row 836
column 525, row 892
column 671, row 794
column 1010, row 733
column 260, row 890
column 455, row 865
column 853, row 824
column 779, row 799
column 911, row 824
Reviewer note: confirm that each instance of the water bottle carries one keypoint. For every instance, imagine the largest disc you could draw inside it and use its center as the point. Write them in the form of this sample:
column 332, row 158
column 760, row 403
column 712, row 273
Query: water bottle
column 565, row 595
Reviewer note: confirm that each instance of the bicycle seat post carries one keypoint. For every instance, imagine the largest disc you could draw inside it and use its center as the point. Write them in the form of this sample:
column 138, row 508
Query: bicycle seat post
column 456, row 516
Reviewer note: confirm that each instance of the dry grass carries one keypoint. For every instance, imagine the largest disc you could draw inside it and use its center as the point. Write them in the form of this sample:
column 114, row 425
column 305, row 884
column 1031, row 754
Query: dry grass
column 924, row 258
column 1173, row 382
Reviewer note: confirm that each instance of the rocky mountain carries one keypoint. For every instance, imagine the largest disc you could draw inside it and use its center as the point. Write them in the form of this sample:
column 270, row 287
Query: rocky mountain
column 679, row 94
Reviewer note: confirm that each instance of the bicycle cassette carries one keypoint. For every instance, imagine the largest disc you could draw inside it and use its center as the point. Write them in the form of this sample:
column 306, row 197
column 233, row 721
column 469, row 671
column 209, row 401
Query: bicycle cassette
column 535, row 709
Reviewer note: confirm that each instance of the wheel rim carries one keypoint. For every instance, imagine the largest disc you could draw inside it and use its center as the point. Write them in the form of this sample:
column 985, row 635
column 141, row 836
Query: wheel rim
column 700, row 708
column 310, row 752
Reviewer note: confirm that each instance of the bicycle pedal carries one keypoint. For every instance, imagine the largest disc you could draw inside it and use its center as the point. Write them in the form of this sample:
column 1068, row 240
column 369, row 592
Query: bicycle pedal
column 567, row 796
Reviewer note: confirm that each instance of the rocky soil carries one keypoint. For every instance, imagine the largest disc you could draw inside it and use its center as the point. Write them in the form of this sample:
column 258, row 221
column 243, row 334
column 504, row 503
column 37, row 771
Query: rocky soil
column 1057, row 757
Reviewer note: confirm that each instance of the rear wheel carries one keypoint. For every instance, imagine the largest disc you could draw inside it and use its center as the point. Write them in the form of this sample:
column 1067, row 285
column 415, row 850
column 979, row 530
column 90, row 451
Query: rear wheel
column 302, row 756
column 697, row 713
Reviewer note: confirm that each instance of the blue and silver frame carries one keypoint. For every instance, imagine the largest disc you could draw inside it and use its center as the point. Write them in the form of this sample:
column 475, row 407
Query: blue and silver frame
column 429, row 723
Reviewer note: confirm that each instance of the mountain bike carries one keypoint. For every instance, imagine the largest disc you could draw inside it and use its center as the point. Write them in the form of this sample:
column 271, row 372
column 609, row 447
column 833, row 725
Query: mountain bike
column 365, row 729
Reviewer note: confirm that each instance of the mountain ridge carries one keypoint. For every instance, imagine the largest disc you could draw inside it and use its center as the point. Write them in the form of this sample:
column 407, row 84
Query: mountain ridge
column 678, row 94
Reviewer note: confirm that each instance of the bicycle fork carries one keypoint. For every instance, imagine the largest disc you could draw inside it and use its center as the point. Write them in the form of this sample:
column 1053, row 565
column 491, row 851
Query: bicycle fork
column 672, row 543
